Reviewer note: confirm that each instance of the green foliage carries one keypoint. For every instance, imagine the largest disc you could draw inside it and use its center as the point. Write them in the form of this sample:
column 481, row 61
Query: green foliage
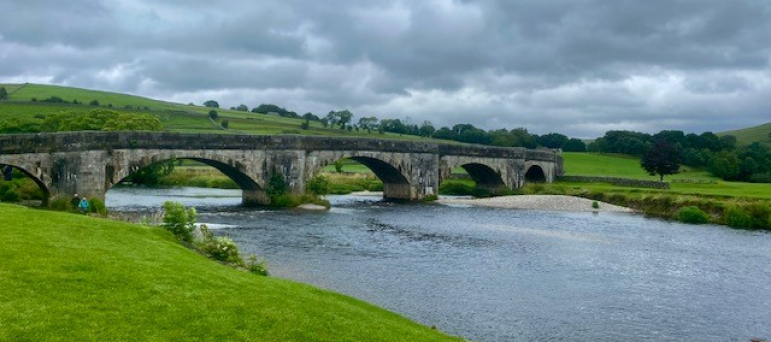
column 256, row 265
column 430, row 198
column 596, row 205
column 738, row 218
column 662, row 159
column 3, row 94
column 61, row 204
column 20, row 125
column 318, row 185
column 276, row 186
column 94, row 103
column 152, row 174
column 97, row 206
column 222, row 248
column 693, row 215
column 8, row 193
column 179, row 220
column 211, row 104
column 100, row 120
column 339, row 166
column 213, row 114
column 225, row 123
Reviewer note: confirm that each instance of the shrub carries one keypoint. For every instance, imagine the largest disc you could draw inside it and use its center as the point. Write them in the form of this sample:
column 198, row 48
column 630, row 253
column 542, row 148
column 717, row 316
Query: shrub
column 61, row 204
column 8, row 193
column 318, row 185
column 276, row 185
column 257, row 266
column 738, row 218
column 97, row 206
column 94, row 103
column 222, row 248
column 213, row 114
column 596, row 205
column 225, row 124
column 692, row 215
column 179, row 221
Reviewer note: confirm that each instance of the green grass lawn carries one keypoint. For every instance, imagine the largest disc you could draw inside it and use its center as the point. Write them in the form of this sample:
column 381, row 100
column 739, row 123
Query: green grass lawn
column 697, row 182
column 67, row 277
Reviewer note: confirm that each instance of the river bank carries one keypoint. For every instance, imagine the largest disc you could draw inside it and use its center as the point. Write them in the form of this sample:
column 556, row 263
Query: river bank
column 70, row 277
column 538, row 202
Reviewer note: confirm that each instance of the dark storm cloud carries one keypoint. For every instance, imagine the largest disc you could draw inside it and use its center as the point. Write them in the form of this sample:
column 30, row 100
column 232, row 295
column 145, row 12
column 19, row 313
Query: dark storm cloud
column 575, row 66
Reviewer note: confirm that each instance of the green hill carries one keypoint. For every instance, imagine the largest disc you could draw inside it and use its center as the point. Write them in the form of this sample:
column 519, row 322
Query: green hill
column 746, row 136
column 175, row 116
column 68, row 277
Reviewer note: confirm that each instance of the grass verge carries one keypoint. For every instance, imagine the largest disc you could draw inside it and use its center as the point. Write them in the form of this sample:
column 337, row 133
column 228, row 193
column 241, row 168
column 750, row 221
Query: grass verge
column 69, row 277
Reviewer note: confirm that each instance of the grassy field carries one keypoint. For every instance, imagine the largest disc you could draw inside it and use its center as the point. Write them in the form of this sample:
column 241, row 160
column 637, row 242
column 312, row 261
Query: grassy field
column 68, row 277
column 697, row 182
column 749, row 135
column 176, row 117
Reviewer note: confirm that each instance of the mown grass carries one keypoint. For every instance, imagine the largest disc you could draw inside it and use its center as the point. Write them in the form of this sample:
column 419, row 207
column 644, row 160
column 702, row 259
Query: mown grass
column 68, row 277
column 694, row 182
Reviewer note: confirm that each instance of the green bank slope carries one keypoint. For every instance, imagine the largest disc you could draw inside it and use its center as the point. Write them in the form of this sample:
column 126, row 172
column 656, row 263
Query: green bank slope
column 746, row 136
column 67, row 277
column 176, row 117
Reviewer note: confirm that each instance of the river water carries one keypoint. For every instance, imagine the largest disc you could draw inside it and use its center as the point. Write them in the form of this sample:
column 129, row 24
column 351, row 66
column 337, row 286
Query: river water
column 507, row 275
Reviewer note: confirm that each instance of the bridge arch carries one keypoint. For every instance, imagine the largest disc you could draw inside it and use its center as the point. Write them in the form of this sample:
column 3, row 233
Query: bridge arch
column 37, row 177
column 252, row 186
column 390, row 168
column 491, row 174
column 535, row 174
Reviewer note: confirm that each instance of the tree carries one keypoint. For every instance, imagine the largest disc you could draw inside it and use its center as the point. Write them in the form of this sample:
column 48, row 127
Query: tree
column 552, row 140
column 225, row 123
column 426, row 129
column 3, row 94
column 574, row 145
column 213, row 114
column 94, row 103
column 242, row 108
column 211, row 104
column 662, row 159
column 344, row 118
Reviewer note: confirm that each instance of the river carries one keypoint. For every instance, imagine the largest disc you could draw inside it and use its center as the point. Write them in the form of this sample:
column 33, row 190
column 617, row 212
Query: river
column 507, row 275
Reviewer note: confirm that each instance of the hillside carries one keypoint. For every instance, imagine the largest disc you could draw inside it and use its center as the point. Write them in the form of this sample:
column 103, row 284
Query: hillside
column 68, row 277
column 175, row 116
column 746, row 136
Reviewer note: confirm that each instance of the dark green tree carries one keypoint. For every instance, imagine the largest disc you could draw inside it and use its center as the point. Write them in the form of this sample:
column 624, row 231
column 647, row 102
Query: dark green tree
column 225, row 123
column 662, row 159
column 242, row 108
column 213, row 114
column 211, row 104
column 574, row 145
column 3, row 94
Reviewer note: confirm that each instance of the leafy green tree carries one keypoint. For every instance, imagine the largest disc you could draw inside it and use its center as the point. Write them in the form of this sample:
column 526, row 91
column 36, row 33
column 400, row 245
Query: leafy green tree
column 211, row 104
column 426, row 129
column 151, row 175
column 242, row 108
column 344, row 118
column 94, row 103
column 725, row 164
column 3, row 94
column 552, row 140
column 20, row 125
column 662, row 159
column 213, row 114
column 368, row 123
column 574, row 145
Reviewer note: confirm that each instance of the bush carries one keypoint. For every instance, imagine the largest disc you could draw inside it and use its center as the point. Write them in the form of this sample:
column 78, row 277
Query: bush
column 97, row 206
column 222, row 248
column 738, row 218
column 596, row 205
column 179, row 221
column 692, row 215
column 257, row 266
column 213, row 114
column 8, row 193
column 276, row 186
column 61, row 204
column 318, row 185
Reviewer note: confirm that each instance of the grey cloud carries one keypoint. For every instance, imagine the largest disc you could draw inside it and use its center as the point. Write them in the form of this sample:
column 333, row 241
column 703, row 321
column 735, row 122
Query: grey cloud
column 579, row 66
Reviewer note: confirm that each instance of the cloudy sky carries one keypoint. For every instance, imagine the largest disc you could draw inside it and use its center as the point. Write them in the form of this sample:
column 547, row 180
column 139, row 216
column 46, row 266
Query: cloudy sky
column 578, row 67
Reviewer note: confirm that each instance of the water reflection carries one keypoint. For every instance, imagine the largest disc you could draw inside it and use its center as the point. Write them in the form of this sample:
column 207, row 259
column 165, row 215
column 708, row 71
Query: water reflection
column 511, row 275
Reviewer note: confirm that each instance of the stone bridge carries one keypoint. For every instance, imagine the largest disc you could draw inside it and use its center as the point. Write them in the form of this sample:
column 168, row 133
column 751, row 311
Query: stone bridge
column 90, row 163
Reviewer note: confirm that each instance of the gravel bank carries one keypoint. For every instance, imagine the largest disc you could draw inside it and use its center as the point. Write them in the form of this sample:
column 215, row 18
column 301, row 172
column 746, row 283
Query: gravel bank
column 538, row 202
